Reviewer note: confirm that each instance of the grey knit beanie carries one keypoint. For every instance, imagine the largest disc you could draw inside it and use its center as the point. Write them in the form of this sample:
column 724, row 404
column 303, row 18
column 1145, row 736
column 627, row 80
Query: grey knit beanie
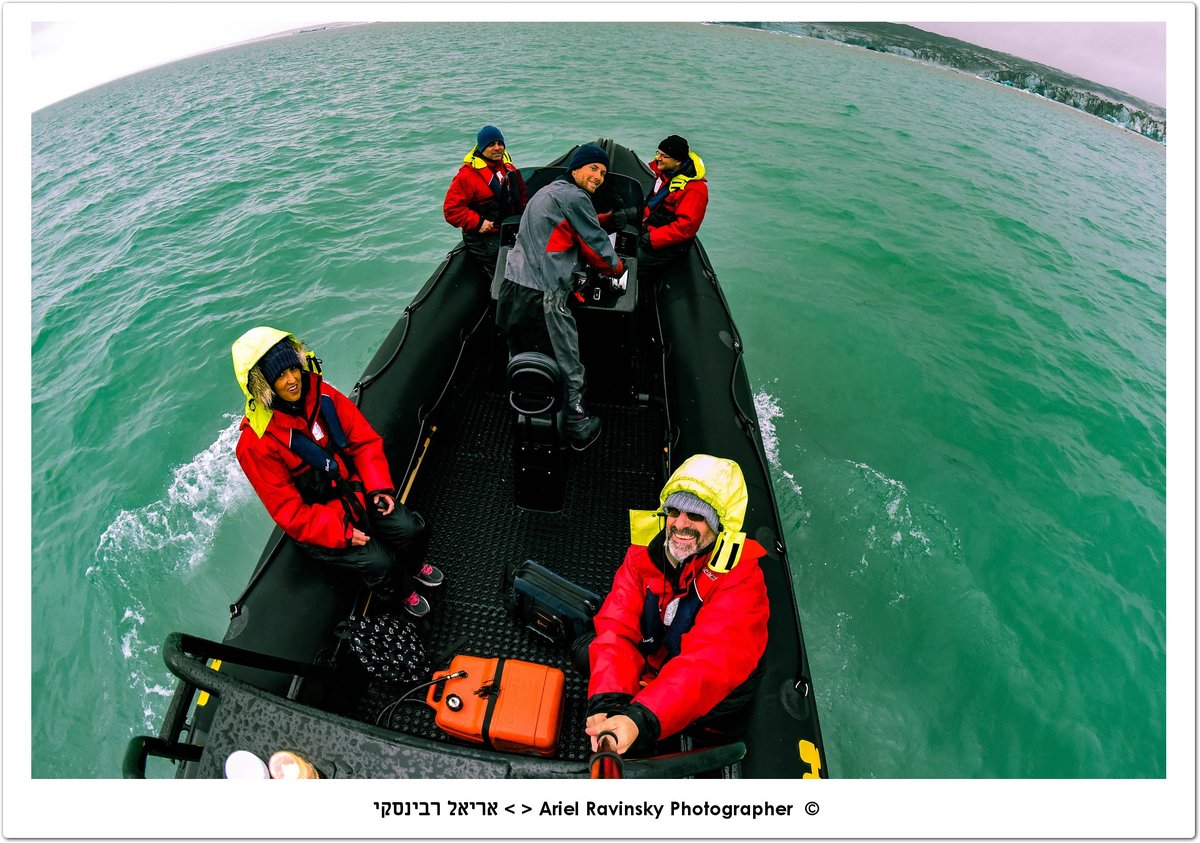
column 687, row 502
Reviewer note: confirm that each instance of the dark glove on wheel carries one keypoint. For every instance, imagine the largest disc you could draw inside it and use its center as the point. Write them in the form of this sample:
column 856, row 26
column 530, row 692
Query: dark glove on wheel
column 622, row 217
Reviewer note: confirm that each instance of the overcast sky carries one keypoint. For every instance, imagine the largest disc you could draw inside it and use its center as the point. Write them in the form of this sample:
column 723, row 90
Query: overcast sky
column 72, row 56
column 78, row 46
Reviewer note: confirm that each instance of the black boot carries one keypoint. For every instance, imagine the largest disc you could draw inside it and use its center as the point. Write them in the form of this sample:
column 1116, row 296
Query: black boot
column 582, row 429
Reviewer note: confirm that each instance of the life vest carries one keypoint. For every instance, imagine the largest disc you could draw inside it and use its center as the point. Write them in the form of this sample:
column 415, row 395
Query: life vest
column 325, row 482
column 505, row 184
column 666, row 629
column 659, row 212
column 321, row 459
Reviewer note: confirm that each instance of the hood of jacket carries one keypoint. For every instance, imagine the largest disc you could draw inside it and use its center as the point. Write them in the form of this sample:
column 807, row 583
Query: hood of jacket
column 248, row 349
column 478, row 162
column 715, row 480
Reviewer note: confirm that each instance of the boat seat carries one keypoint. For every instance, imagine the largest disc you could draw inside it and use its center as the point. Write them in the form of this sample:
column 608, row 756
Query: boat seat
column 538, row 395
column 508, row 238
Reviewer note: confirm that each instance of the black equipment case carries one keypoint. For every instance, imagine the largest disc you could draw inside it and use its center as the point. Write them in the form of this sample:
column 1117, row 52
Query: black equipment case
column 547, row 604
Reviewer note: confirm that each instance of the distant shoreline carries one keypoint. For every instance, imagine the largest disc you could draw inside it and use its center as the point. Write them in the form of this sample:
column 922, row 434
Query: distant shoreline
column 315, row 27
column 901, row 41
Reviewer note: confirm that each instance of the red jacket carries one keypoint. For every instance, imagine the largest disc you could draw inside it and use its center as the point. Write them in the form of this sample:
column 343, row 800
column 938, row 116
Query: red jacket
column 271, row 467
column 717, row 654
column 677, row 218
column 469, row 200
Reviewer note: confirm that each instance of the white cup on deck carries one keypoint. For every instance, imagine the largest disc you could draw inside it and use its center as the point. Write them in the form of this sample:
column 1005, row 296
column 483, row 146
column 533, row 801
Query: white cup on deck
column 245, row 765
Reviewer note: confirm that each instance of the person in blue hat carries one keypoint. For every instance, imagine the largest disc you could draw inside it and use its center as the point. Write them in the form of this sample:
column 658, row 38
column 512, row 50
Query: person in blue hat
column 485, row 191
column 559, row 233
column 320, row 470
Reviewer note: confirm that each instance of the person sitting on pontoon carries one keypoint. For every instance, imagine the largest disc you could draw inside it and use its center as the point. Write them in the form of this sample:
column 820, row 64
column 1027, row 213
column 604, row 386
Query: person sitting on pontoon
column 486, row 189
column 680, row 637
column 319, row 468
column 675, row 205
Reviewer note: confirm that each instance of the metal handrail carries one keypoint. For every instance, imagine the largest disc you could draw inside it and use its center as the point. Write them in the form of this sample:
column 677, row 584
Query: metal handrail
column 186, row 656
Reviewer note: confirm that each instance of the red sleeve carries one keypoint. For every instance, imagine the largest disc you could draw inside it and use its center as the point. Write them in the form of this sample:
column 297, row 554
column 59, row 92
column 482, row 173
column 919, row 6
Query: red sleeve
column 717, row 654
column 595, row 258
column 458, row 199
column 594, row 245
column 689, row 213
column 323, row 524
column 364, row 445
column 616, row 661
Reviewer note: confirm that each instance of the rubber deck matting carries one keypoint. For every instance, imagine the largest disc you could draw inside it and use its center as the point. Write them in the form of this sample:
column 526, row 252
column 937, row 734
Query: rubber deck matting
column 464, row 489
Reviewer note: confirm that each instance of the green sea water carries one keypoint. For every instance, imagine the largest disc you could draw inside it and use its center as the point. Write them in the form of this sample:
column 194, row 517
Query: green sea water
column 953, row 297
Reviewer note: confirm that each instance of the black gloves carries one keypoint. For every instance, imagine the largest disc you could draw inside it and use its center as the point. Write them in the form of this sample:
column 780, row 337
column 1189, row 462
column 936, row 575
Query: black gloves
column 624, row 216
column 615, row 703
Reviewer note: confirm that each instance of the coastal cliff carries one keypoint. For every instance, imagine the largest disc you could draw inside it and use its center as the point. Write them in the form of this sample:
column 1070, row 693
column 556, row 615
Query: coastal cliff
column 1109, row 104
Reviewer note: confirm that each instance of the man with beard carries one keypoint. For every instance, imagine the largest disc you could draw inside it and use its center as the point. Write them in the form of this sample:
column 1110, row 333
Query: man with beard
column 680, row 637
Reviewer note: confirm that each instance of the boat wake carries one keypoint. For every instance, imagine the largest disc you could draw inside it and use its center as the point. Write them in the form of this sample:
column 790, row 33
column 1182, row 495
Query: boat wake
column 893, row 531
column 768, row 409
column 170, row 536
column 900, row 526
column 179, row 527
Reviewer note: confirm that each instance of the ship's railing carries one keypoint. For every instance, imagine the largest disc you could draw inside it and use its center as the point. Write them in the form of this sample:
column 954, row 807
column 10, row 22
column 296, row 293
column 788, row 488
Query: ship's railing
column 187, row 657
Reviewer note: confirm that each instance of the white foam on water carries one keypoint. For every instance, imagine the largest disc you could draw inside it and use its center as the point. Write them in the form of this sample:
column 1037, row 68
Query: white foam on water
column 168, row 536
column 901, row 524
column 768, row 409
column 177, row 530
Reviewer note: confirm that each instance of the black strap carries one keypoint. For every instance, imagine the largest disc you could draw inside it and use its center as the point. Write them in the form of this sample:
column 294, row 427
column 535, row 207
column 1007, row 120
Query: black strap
column 491, row 703
column 334, row 424
column 318, row 458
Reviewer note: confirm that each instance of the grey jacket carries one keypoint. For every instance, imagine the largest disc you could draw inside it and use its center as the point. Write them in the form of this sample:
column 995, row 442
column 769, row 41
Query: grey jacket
column 558, row 232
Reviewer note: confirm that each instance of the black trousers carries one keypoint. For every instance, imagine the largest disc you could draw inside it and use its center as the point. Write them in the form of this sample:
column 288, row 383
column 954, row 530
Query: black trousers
column 485, row 248
column 652, row 261
column 399, row 542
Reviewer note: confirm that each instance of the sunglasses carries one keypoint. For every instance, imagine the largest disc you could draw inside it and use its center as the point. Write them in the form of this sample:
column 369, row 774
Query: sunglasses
column 672, row 512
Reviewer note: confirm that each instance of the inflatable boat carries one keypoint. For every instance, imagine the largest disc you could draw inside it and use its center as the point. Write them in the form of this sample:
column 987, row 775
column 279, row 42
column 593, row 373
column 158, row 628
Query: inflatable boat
column 483, row 458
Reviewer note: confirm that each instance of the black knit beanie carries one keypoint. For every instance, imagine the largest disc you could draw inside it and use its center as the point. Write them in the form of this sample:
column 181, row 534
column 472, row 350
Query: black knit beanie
column 674, row 146
column 279, row 358
column 586, row 154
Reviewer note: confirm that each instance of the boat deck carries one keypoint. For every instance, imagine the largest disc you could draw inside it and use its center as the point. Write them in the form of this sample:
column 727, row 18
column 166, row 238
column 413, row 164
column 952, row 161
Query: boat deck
column 274, row 688
column 465, row 489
